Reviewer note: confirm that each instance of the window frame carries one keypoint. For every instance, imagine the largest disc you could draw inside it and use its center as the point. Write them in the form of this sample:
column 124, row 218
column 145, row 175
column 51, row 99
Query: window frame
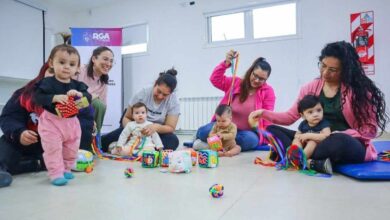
column 248, row 25
column 147, row 40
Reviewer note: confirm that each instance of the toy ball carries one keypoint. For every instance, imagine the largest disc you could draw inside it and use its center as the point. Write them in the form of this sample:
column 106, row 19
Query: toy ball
column 129, row 172
column 216, row 190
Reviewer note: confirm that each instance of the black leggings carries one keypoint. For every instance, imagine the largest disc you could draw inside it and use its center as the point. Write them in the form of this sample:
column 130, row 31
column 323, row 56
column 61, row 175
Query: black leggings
column 169, row 140
column 340, row 148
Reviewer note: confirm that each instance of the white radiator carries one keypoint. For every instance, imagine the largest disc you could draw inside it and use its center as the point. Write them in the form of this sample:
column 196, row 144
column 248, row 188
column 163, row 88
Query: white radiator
column 195, row 112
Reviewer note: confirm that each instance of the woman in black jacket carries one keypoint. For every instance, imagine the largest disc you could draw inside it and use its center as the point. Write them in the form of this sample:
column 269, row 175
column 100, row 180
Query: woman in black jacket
column 20, row 147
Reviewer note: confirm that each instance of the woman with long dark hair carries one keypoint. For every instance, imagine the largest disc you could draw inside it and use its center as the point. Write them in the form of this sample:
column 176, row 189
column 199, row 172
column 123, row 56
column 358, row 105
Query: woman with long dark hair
column 353, row 105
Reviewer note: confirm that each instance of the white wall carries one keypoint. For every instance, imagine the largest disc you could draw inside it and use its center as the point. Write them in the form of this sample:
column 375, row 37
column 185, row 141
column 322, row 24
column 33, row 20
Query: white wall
column 56, row 20
column 178, row 36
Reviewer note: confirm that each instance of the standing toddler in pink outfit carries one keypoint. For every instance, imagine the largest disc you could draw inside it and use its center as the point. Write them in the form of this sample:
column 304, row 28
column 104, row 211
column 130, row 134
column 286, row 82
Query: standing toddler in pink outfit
column 60, row 136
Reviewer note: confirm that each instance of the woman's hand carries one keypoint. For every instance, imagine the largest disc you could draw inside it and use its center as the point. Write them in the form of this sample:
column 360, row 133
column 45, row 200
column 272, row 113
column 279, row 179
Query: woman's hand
column 149, row 129
column 63, row 99
column 229, row 57
column 74, row 92
column 28, row 137
column 94, row 96
column 254, row 117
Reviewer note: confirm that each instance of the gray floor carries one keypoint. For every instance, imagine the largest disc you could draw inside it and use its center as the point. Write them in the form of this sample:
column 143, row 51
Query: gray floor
column 251, row 192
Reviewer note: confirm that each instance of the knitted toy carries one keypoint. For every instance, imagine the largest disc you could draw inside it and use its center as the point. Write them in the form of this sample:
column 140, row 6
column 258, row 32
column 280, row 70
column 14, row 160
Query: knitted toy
column 216, row 190
column 129, row 172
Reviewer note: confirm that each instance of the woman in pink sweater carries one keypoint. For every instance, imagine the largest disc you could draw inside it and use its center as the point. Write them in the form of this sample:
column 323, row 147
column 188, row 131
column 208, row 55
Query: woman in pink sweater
column 95, row 75
column 250, row 93
column 353, row 105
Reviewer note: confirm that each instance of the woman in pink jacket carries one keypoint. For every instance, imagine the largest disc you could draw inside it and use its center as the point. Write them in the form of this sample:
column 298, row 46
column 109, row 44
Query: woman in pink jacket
column 250, row 93
column 353, row 105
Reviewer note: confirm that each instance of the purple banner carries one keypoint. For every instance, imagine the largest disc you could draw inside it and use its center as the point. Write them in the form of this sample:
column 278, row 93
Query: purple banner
column 96, row 36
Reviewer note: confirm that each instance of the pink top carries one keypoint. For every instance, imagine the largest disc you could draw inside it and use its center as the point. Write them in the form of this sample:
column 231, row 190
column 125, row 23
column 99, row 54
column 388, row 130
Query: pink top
column 265, row 96
column 95, row 87
column 365, row 133
column 242, row 110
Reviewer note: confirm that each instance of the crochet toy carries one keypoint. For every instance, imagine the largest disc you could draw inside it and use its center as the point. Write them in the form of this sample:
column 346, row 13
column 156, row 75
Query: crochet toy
column 150, row 159
column 72, row 107
column 215, row 143
column 216, row 190
column 129, row 172
column 84, row 161
column 180, row 162
column 207, row 158
column 164, row 158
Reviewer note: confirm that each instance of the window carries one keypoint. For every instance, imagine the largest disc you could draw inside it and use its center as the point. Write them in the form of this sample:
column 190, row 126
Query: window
column 227, row 27
column 22, row 28
column 135, row 39
column 253, row 23
column 274, row 21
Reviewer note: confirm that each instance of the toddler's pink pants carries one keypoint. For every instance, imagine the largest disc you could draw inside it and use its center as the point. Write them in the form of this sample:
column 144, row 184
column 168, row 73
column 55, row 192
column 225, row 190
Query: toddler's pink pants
column 60, row 138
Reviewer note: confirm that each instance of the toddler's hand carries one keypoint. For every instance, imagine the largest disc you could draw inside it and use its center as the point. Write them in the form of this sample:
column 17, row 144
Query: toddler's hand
column 63, row 99
column 304, row 137
column 73, row 92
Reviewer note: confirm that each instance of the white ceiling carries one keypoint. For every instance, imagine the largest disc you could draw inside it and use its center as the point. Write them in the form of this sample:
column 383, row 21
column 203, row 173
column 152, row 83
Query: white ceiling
column 74, row 5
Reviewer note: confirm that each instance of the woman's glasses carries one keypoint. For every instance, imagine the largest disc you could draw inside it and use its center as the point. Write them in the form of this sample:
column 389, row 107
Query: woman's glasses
column 258, row 78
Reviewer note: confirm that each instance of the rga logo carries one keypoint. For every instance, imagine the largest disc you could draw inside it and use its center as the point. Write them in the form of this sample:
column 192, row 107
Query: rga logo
column 86, row 37
column 101, row 36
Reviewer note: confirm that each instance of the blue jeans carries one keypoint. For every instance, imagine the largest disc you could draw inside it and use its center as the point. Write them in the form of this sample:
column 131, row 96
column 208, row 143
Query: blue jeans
column 248, row 140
